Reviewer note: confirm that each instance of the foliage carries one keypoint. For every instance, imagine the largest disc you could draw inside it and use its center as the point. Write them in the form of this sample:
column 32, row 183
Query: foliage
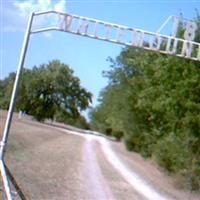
column 154, row 100
column 47, row 92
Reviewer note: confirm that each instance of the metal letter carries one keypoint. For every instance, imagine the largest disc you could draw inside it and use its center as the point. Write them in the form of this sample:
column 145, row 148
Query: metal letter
column 82, row 25
column 157, row 40
column 187, row 49
column 175, row 46
column 191, row 27
column 96, row 30
column 138, row 38
column 175, row 26
column 168, row 48
column 66, row 22
column 168, row 45
column 108, row 27
column 119, row 34
column 198, row 56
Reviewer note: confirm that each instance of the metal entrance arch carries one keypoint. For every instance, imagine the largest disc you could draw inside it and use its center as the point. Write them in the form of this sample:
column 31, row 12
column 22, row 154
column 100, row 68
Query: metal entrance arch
column 110, row 32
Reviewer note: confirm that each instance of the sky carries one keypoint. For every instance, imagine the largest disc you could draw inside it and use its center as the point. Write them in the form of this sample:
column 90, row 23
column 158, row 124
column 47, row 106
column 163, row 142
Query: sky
column 87, row 57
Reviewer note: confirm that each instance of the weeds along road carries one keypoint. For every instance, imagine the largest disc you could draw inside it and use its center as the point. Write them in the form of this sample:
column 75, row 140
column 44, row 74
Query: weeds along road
column 52, row 163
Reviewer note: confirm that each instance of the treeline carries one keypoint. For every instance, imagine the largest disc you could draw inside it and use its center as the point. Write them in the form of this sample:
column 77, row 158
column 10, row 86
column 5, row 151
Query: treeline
column 152, row 102
column 49, row 91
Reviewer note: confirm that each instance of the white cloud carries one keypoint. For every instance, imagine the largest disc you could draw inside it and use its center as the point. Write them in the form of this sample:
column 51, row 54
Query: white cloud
column 40, row 5
column 16, row 13
column 60, row 6
column 24, row 7
column 44, row 4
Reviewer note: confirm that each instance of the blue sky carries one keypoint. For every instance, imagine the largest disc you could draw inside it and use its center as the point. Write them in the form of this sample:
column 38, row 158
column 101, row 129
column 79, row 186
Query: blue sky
column 87, row 57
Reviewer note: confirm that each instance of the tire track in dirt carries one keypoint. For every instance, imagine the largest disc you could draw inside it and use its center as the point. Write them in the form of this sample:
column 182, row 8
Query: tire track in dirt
column 96, row 184
column 137, row 182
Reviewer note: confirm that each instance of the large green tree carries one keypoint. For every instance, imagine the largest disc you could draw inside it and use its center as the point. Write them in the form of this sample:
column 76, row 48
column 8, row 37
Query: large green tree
column 48, row 91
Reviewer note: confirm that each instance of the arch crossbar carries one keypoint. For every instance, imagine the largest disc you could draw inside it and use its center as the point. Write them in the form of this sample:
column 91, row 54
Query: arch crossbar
column 123, row 35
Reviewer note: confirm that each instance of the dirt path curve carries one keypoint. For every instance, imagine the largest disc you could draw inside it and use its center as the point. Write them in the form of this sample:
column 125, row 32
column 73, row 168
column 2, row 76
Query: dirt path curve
column 99, row 184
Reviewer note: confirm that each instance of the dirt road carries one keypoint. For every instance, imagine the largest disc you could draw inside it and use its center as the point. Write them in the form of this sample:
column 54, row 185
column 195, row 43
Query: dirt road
column 52, row 163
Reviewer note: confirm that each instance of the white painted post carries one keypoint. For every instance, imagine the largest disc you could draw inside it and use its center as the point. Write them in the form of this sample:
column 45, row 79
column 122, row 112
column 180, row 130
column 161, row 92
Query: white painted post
column 4, row 140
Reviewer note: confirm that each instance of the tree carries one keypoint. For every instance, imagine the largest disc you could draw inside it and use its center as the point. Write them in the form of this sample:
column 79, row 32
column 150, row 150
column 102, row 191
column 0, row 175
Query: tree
column 154, row 100
column 5, row 90
column 51, row 90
